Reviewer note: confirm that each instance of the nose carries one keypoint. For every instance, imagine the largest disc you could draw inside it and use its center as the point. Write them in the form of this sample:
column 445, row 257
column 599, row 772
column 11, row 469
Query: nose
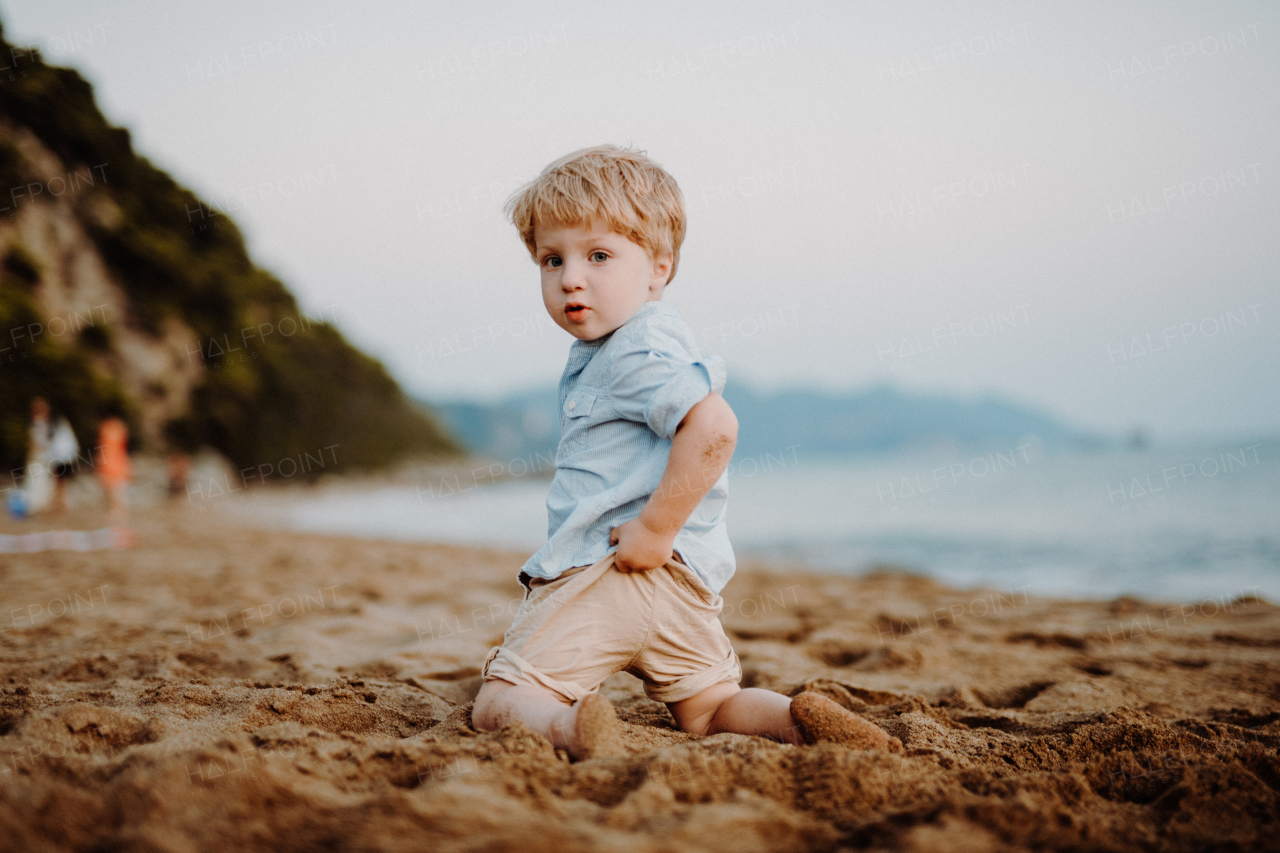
column 572, row 277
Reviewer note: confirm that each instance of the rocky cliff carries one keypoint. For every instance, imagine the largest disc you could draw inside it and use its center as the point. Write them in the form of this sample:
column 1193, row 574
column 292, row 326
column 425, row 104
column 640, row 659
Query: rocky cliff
column 122, row 292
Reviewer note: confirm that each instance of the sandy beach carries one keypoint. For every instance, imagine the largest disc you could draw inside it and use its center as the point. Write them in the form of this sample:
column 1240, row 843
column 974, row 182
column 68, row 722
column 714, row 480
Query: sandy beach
column 220, row 687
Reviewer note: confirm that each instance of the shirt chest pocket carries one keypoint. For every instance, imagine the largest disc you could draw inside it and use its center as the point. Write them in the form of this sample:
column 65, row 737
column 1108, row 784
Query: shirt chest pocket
column 575, row 417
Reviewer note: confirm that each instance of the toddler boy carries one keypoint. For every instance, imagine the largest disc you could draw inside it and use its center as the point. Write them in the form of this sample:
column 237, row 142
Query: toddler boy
column 637, row 549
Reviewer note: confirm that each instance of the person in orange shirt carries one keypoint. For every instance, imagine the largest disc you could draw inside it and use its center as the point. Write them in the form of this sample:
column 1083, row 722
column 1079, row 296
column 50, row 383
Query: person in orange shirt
column 113, row 466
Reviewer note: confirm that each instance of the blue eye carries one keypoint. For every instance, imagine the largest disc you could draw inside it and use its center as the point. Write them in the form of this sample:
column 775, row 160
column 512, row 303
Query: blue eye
column 552, row 261
column 599, row 257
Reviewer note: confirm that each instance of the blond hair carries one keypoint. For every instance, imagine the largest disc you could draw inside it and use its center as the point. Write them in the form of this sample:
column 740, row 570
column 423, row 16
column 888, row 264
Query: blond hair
column 617, row 187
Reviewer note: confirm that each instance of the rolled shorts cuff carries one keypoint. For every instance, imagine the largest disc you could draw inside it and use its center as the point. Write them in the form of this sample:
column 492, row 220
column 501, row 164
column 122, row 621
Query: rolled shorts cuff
column 504, row 665
column 688, row 686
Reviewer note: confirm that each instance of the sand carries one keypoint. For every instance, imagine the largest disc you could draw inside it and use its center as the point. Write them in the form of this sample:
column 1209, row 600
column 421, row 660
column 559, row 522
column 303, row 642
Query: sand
column 225, row 688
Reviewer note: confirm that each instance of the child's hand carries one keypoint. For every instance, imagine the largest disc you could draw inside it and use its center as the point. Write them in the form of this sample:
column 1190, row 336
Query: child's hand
column 639, row 548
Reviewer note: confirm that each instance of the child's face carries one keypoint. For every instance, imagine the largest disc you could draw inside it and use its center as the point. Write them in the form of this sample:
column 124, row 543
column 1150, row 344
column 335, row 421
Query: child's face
column 594, row 279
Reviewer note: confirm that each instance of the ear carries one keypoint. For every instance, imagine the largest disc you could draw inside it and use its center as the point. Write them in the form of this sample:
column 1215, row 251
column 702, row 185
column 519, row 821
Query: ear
column 661, row 272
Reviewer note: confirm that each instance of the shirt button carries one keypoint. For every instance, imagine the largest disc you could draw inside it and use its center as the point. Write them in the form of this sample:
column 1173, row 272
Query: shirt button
column 572, row 405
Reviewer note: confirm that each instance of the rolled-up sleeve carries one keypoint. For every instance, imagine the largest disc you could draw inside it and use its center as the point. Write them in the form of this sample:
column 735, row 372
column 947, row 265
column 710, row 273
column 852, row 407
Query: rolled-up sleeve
column 657, row 382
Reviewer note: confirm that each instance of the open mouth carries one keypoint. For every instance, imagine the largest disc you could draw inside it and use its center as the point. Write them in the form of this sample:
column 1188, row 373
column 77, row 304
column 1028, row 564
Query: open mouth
column 573, row 312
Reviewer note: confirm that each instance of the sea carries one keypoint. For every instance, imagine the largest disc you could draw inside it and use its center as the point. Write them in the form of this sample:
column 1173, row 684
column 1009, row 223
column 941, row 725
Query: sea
column 1179, row 524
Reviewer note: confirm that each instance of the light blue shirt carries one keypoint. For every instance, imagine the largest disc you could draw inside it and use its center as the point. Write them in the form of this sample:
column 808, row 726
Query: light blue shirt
column 621, row 398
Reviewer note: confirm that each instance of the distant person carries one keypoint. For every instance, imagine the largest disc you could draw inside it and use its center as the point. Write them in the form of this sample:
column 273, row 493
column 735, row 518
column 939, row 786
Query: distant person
column 113, row 468
column 63, row 452
column 51, row 459
column 646, row 439
column 179, row 465
column 41, row 487
column 37, row 483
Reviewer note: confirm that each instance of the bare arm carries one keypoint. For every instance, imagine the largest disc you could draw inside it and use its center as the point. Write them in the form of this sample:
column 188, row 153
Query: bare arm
column 700, row 451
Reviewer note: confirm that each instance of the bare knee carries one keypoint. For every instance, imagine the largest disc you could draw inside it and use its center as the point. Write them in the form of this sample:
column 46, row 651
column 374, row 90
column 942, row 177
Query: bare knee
column 696, row 714
column 485, row 715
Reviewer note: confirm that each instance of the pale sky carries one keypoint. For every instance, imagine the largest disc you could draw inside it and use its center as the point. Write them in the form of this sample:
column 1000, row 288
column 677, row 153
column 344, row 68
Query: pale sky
column 1077, row 207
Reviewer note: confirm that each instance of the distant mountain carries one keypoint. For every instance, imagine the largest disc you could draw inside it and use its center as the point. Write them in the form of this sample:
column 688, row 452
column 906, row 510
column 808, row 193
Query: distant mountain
column 884, row 419
column 881, row 419
column 523, row 424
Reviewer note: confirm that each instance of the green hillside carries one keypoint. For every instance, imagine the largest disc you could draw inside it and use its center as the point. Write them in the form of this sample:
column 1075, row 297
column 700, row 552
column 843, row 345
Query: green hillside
column 298, row 392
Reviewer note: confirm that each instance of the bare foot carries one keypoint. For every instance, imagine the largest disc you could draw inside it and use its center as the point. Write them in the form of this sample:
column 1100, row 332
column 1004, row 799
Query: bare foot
column 821, row 719
column 596, row 733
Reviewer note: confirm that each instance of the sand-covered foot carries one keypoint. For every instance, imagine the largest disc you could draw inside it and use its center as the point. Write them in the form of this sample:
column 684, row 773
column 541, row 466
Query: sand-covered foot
column 596, row 732
column 821, row 719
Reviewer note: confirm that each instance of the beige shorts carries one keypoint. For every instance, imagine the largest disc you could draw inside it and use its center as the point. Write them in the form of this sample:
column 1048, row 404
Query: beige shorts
column 662, row 626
